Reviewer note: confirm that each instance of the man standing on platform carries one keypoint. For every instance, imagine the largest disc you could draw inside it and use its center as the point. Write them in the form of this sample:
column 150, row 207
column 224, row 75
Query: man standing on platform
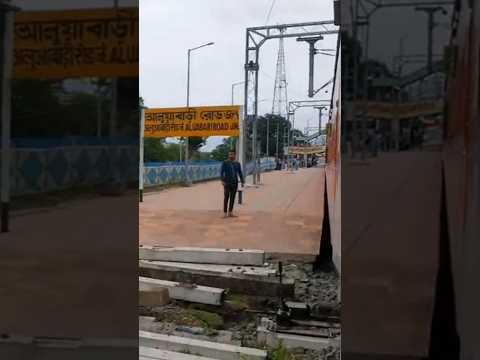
column 230, row 172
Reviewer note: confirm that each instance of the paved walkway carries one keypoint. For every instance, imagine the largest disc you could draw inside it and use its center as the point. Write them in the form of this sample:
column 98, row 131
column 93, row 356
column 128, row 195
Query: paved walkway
column 283, row 215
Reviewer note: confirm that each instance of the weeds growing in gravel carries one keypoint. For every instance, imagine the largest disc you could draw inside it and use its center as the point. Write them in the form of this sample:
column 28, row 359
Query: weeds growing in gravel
column 281, row 353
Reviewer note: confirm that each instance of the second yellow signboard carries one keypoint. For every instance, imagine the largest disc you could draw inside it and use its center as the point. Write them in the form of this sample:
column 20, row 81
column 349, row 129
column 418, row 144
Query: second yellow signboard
column 76, row 43
column 303, row 150
column 193, row 121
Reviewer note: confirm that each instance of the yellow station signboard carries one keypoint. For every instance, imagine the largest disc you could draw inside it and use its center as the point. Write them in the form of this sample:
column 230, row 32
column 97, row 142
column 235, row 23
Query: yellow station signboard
column 76, row 43
column 306, row 150
column 193, row 121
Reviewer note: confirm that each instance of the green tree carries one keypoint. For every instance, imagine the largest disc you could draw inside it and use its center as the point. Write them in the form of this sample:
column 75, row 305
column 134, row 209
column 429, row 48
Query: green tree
column 201, row 155
column 275, row 122
column 36, row 110
column 220, row 153
column 157, row 150
column 82, row 110
column 195, row 143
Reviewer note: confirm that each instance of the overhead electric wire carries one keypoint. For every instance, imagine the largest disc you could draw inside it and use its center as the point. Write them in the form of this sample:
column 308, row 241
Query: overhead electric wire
column 270, row 12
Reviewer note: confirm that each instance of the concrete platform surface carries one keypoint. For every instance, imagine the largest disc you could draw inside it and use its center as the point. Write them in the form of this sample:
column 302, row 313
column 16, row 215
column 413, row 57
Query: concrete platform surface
column 283, row 215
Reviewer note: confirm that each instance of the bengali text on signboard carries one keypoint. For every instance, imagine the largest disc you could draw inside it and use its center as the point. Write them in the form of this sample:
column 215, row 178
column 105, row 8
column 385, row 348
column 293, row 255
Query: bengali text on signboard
column 305, row 150
column 76, row 43
column 193, row 121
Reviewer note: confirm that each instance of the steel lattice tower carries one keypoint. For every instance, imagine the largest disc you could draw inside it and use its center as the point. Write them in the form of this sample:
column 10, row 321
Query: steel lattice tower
column 280, row 101
column 280, row 97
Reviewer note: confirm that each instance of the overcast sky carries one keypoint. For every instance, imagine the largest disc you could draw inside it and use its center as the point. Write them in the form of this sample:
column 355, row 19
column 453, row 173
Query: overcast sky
column 169, row 27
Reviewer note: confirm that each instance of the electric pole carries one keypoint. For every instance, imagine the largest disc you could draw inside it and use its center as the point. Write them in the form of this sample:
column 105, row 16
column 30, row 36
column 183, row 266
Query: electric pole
column 311, row 54
column 431, row 11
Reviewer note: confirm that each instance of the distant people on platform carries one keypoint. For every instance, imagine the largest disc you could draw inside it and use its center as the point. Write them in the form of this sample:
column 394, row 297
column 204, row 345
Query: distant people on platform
column 278, row 165
column 230, row 172
column 290, row 166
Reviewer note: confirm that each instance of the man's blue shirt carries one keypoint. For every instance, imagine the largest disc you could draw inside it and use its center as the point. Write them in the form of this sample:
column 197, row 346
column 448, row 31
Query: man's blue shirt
column 230, row 172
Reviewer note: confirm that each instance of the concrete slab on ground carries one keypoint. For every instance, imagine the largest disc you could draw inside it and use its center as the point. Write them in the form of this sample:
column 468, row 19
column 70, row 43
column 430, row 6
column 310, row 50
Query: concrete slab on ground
column 147, row 353
column 199, row 347
column 203, row 255
column 290, row 341
column 260, row 271
column 154, row 297
column 235, row 283
column 186, row 292
column 148, row 323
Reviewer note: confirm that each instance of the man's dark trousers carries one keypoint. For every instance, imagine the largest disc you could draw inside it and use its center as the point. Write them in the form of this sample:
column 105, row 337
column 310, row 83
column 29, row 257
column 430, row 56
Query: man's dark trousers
column 230, row 190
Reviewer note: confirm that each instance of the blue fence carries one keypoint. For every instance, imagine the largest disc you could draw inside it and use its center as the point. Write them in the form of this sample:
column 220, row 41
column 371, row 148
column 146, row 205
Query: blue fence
column 51, row 166
column 163, row 174
column 57, row 168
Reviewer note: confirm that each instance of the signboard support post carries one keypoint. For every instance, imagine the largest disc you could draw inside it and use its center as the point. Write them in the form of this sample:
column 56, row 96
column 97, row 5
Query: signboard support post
column 187, row 145
column 241, row 138
column 187, row 176
column 142, row 148
column 6, row 34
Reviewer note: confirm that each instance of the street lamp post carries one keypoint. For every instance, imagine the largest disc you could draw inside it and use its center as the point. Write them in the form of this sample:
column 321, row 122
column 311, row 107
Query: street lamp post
column 320, row 113
column 233, row 87
column 187, row 177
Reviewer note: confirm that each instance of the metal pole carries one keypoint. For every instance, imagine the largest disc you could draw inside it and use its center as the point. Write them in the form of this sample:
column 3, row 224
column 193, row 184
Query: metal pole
column 187, row 177
column 431, row 26
column 180, row 149
column 268, row 136
column 320, row 121
column 113, row 112
column 255, row 123
column 241, row 140
column 6, row 28
column 142, row 166
column 99, row 115
column 188, row 181
column 233, row 90
column 284, row 135
column 293, row 129
column 245, row 98
column 113, row 116
column 278, row 134
column 365, row 91
column 288, row 127
column 311, row 68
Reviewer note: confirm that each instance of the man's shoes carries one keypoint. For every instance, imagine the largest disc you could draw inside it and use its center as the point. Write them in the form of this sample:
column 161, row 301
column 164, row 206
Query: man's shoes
column 231, row 215
column 225, row 215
